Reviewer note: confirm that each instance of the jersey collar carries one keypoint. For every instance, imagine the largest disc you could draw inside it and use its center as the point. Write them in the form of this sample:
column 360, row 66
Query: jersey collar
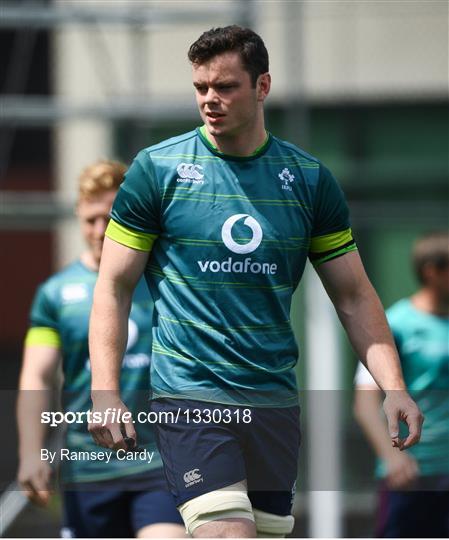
column 260, row 150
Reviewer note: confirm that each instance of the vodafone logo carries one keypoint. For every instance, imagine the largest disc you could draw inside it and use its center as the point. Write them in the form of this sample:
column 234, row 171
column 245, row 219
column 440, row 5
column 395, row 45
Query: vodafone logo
column 239, row 265
column 231, row 244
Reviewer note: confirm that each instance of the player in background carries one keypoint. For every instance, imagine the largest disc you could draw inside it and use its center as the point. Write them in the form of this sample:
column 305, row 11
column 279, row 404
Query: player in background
column 222, row 221
column 414, row 493
column 100, row 499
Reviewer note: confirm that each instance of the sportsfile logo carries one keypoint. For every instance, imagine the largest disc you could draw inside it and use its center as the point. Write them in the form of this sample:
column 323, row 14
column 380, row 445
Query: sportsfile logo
column 246, row 265
column 192, row 477
column 190, row 173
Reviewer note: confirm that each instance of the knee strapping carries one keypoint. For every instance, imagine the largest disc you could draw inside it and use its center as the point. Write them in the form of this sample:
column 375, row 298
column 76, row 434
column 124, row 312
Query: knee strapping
column 272, row 525
column 228, row 502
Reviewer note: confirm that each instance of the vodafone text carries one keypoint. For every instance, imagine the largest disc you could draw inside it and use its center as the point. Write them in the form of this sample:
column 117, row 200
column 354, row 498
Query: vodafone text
column 238, row 267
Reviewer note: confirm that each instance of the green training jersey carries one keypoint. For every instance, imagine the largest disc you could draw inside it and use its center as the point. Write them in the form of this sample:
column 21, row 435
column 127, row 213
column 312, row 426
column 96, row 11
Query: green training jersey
column 229, row 239
column 422, row 340
column 60, row 317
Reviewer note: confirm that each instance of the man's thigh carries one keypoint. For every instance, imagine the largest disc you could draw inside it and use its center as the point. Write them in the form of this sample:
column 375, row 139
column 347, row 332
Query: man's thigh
column 96, row 514
column 271, row 459
column 417, row 514
column 152, row 507
column 199, row 455
column 119, row 507
column 206, row 451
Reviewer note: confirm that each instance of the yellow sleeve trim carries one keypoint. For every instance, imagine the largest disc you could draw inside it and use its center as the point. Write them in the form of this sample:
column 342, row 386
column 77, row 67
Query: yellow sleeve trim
column 335, row 253
column 41, row 335
column 129, row 237
column 327, row 242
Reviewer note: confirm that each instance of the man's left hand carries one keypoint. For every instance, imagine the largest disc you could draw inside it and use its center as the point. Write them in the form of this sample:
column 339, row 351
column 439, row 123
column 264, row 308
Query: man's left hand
column 398, row 405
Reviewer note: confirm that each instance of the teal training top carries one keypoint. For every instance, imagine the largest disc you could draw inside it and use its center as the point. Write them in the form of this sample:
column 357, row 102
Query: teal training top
column 231, row 238
column 60, row 317
column 422, row 340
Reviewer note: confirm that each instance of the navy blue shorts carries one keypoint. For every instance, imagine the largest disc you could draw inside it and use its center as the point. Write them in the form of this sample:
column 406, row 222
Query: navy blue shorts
column 111, row 509
column 421, row 512
column 213, row 445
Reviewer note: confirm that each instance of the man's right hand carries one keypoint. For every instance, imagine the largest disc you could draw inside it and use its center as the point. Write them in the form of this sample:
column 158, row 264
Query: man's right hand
column 34, row 477
column 109, row 432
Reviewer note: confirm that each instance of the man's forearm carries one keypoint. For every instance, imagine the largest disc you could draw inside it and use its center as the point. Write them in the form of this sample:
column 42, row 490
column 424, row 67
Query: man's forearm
column 364, row 320
column 120, row 270
column 37, row 385
column 108, row 334
column 31, row 431
column 363, row 317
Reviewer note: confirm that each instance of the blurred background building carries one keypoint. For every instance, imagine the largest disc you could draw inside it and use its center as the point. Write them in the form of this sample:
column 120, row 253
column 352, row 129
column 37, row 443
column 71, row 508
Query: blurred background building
column 363, row 85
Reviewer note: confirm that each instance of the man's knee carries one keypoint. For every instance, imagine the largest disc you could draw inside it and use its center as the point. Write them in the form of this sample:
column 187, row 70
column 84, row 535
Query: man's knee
column 272, row 525
column 162, row 530
column 225, row 503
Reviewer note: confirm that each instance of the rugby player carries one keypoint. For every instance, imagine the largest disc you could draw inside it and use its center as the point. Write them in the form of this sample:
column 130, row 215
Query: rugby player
column 117, row 498
column 222, row 220
column 414, row 484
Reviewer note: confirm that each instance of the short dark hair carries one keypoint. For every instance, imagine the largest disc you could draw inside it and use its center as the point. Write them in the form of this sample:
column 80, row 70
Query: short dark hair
column 430, row 249
column 247, row 43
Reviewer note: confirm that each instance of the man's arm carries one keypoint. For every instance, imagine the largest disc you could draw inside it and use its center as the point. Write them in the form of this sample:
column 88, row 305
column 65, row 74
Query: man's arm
column 37, row 379
column 120, row 270
column 363, row 318
column 401, row 468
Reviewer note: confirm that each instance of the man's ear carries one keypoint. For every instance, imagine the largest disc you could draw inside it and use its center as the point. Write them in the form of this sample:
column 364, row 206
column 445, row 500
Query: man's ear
column 263, row 86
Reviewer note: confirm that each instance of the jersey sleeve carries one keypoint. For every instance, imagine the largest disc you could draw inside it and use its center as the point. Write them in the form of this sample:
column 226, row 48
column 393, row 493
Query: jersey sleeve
column 43, row 321
column 135, row 215
column 363, row 377
column 331, row 233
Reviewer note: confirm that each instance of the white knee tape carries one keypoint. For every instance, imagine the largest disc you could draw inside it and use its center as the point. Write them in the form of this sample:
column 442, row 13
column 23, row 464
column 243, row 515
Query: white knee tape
column 272, row 525
column 228, row 502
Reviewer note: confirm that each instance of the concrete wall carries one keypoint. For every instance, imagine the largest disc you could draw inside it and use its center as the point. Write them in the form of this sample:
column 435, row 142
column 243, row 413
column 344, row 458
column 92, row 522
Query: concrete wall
column 323, row 50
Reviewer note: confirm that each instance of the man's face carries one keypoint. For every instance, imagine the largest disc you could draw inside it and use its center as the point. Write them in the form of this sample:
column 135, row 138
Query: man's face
column 437, row 278
column 228, row 103
column 93, row 215
column 441, row 284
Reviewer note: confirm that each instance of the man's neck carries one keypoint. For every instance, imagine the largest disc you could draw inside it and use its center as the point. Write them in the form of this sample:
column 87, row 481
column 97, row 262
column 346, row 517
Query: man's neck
column 242, row 145
column 427, row 300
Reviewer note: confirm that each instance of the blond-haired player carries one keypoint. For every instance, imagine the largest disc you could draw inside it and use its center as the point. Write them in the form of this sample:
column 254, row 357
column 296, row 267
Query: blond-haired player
column 104, row 496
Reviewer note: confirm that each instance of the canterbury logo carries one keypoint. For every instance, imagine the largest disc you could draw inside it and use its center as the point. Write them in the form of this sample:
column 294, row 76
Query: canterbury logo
column 231, row 244
column 192, row 477
column 189, row 170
